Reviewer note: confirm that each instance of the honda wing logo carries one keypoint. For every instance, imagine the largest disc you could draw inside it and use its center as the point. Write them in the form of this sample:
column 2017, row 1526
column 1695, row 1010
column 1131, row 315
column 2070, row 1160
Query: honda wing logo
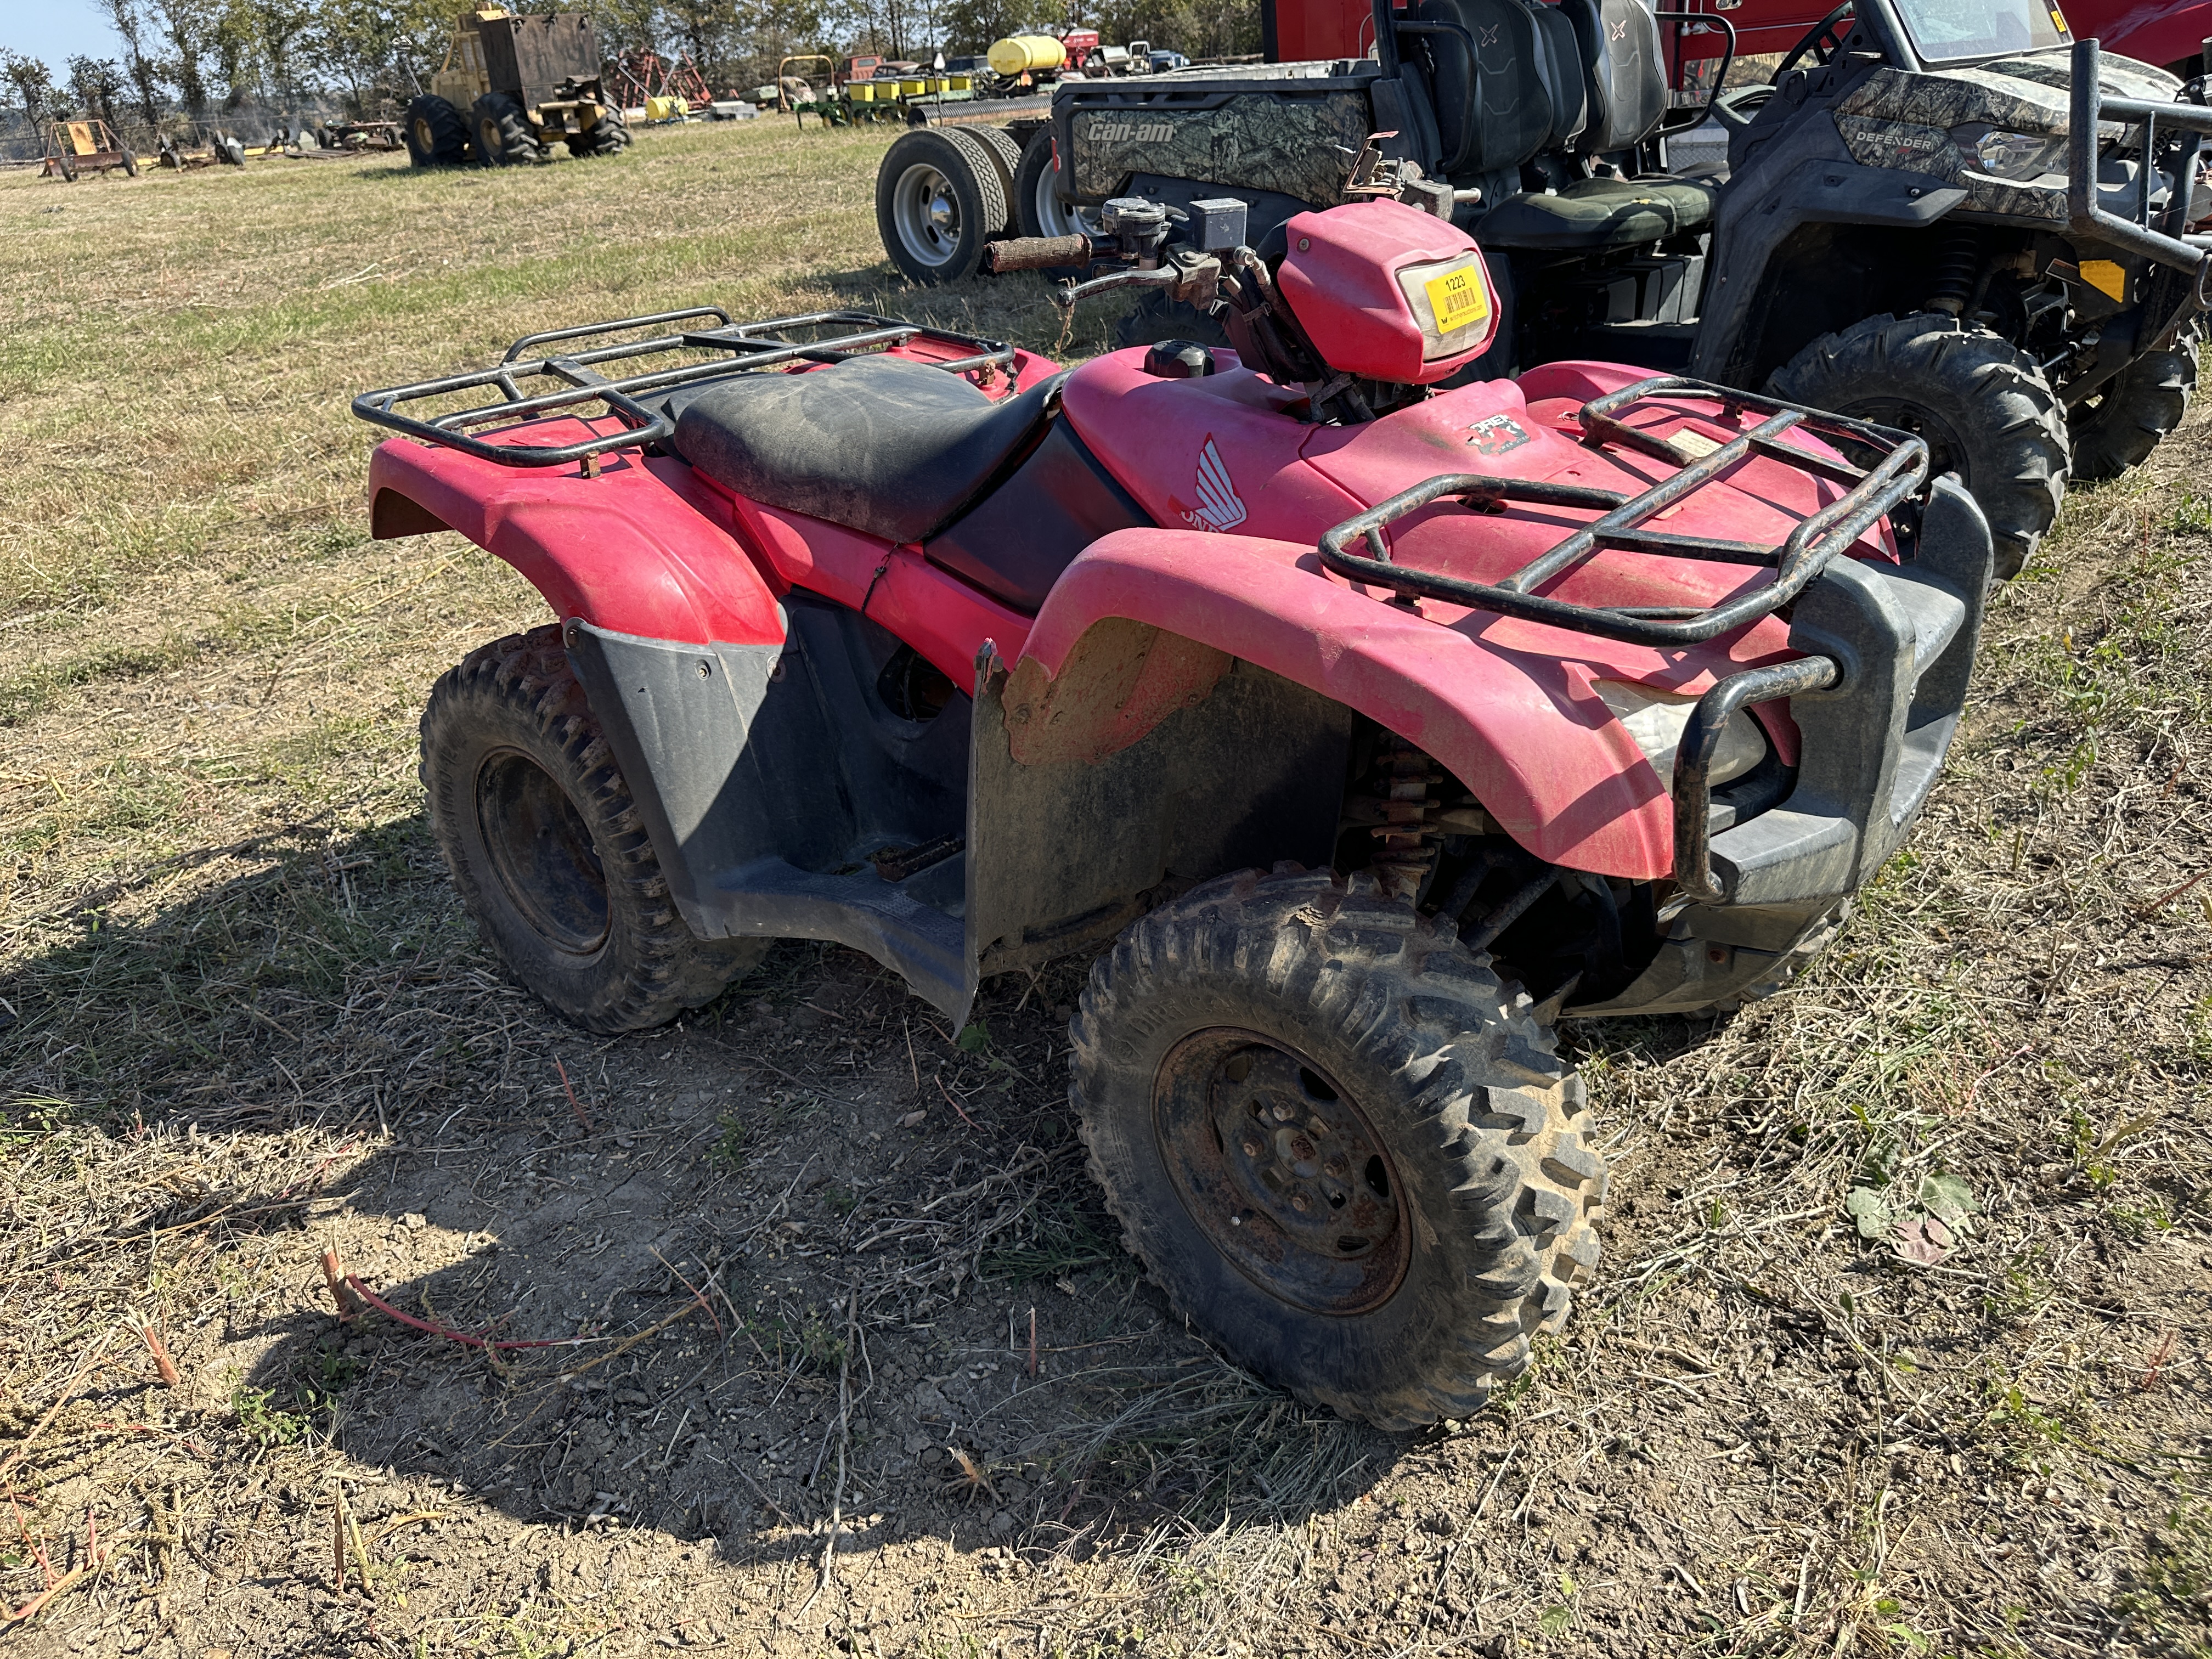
column 1219, row 506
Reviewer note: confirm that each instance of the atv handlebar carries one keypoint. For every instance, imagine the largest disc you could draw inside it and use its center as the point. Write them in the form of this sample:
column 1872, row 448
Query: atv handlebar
column 1036, row 254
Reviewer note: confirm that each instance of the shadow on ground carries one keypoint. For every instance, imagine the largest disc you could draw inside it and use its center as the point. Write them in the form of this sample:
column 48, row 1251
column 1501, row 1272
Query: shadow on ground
column 809, row 1253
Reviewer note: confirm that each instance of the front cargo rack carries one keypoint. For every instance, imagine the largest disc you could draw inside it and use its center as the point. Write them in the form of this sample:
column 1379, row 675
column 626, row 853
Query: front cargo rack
column 827, row 337
column 1900, row 472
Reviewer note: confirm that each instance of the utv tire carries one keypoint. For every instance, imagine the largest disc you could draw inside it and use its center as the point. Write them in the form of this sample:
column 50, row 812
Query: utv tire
column 1037, row 211
column 436, row 135
column 547, row 848
column 1985, row 409
column 2138, row 407
column 610, row 136
column 502, row 134
column 1339, row 1140
column 938, row 202
column 1158, row 317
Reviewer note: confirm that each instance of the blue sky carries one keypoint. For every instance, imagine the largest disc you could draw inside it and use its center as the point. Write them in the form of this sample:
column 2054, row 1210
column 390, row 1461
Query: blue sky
column 55, row 29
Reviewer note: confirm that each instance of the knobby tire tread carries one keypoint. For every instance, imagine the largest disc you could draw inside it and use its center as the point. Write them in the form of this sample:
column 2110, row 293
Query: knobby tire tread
column 2014, row 428
column 523, row 684
column 1504, row 1125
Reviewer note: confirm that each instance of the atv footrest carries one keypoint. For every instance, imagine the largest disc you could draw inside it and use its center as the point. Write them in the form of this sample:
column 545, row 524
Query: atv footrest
column 774, row 345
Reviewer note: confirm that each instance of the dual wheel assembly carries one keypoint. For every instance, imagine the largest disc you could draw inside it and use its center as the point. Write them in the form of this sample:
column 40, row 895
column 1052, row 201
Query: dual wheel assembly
column 943, row 193
column 1343, row 1146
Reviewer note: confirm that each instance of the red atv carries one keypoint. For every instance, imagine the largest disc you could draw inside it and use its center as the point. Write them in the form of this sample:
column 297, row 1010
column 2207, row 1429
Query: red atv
column 1373, row 724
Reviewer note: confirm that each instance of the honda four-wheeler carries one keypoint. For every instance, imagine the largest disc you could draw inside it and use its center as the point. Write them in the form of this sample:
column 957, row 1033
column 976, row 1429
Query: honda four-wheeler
column 1900, row 231
column 1367, row 727
column 528, row 83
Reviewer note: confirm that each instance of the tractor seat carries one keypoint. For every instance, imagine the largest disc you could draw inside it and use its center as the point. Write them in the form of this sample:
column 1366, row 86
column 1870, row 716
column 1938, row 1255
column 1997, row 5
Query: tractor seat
column 880, row 444
column 1595, row 213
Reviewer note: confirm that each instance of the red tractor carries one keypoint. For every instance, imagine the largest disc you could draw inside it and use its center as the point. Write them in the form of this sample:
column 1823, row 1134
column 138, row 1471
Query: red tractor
column 1365, row 726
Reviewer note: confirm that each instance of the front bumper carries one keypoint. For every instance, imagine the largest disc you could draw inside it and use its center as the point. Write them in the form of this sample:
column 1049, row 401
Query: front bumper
column 1901, row 640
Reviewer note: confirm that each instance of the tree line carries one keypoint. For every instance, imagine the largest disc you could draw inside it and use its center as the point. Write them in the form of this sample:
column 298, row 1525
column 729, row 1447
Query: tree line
column 200, row 62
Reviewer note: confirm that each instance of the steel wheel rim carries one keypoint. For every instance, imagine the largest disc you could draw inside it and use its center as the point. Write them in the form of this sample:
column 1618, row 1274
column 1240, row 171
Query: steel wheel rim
column 541, row 851
column 1053, row 217
column 926, row 213
column 490, row 141
column 1945, row 453
column 425, row 140
column 1282, row 1171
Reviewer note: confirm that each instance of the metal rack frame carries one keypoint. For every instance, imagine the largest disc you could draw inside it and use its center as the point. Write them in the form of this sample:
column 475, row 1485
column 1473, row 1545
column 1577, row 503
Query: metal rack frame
column 1900, row 472
column 751, row 346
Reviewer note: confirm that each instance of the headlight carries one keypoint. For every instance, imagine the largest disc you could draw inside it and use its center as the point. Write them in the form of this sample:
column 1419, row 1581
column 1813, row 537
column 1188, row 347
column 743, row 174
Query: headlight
column 1656, row 720
column 2020, row 157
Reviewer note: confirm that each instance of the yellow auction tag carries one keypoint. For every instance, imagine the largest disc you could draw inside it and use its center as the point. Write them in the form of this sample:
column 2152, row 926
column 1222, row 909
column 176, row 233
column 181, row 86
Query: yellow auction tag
column 1458, row 298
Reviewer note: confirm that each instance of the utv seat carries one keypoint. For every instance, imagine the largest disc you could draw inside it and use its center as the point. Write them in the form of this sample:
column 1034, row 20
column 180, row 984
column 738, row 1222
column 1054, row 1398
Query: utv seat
column 1595, row 69
column 1594, row 213
column 883, row 444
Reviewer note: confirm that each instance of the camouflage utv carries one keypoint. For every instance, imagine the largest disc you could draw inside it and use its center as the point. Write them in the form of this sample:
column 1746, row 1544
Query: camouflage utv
column 1901, row 232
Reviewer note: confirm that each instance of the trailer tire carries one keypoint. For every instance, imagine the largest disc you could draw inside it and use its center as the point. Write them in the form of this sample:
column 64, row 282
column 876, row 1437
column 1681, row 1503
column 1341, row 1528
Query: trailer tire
column 548, row 850
column 129, row 165
column 1985, row 407
column 2138, row 407
column 938, row 202
column 1004, row 155
column 437, row 134
column 502, row 134
column 1339, row 1140
column 607, row 136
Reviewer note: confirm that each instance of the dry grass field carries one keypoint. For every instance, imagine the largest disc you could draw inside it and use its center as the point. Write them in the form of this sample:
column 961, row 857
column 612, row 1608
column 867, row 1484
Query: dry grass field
column 850, row 1360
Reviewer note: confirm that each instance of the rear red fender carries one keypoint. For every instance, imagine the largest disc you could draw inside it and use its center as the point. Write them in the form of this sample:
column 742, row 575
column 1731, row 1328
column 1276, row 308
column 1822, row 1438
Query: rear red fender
column 638, row 550
column 1508, row 706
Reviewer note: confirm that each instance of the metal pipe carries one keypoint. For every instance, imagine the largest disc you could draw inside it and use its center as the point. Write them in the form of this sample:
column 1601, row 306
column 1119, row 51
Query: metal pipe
column 1701, row 741
column 2087, row 106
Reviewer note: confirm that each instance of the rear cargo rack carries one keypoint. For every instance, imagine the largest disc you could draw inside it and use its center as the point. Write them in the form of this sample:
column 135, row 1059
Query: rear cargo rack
column 826, row 338
column 1900, row 472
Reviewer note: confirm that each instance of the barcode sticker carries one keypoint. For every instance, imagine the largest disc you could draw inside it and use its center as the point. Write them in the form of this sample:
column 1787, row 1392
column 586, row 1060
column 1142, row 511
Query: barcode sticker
column 1458, row 298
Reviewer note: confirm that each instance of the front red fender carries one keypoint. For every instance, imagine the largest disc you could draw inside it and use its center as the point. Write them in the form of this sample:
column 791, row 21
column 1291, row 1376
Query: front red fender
column 1507, row 706
column 628, row 551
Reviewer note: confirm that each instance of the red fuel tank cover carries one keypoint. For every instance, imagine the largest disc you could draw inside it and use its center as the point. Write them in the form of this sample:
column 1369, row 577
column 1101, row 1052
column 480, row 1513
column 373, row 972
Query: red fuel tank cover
column 1388, row 292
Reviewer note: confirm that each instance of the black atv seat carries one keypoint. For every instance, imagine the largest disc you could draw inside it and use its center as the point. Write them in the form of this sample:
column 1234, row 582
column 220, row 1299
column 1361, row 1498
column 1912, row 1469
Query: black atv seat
column 884, row 445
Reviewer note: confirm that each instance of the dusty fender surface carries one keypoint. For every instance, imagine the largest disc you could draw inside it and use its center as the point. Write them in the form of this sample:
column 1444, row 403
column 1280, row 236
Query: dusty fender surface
column 634, row 550
column 1510, row 707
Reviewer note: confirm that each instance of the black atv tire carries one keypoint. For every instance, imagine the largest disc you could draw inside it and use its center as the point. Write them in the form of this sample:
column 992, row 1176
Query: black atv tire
column 437, row 134
column 1984, row 408
column 1158, row 317
column 609, row 135
column 501, row 132
column 2137, row 409
column 938, row 202
column 547, row 848
column 1438, row 1123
